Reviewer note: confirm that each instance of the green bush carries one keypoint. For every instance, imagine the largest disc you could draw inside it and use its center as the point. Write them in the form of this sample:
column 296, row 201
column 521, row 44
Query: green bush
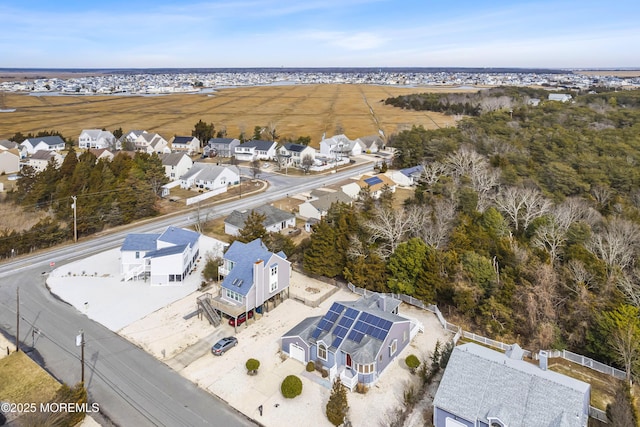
column 324, row 373
column 252, row 365
column 412, row 362
column 311, row 366
column 291, row 387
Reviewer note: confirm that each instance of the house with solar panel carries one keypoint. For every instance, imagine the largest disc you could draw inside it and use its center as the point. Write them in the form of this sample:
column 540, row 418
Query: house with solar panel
column 484, row 387
column 253, row 277
column 165, row 259
column 374, row 185
column 185, row 144
column 354, row 340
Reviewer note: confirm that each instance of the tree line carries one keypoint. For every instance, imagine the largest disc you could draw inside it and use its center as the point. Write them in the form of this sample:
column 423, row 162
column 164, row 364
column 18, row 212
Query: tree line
column 523, row 227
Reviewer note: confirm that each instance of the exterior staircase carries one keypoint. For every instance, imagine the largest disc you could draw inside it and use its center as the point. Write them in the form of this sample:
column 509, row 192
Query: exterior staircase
column 204, row 304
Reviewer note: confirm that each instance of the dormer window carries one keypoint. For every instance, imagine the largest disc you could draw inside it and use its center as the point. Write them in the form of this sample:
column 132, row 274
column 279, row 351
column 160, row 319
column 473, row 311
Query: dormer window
column 322, row 351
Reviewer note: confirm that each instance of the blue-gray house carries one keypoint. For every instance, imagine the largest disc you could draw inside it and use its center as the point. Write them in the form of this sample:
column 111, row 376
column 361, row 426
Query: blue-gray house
column 252, row 275
column 486, row 388
column 355, row 340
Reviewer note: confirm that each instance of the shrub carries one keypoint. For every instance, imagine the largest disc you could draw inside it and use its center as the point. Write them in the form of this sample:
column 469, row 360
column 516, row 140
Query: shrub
column 412, row 362
column 324, row 373
column 252, row 366
column 291, row 387
column 361, row 388
column 337, row 407
column 311, row 366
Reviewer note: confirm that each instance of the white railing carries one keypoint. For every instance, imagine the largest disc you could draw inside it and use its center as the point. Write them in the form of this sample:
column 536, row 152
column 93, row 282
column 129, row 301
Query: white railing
column 222, row 271
column 134, row 272
column 349, row 378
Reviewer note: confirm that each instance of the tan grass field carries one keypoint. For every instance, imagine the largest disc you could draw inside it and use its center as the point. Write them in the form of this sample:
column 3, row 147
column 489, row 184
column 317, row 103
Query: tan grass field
column 22, row 380
column 301, row 110
column 617, row 73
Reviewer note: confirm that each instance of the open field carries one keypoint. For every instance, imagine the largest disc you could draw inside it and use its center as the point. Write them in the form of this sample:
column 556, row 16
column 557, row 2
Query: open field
column 300, row 110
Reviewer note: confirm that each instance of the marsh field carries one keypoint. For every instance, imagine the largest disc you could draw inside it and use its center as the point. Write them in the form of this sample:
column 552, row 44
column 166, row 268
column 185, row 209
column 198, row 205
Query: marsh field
column 298, row 110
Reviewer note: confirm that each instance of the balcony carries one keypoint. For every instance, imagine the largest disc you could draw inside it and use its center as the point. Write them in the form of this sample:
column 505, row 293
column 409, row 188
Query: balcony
column 223, row 271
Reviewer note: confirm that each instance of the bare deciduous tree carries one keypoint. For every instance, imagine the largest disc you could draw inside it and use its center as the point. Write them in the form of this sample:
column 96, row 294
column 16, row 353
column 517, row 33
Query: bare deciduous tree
column 522, row 205
column 433, row 225
column 550, row 237
column 389, row 228
column 432, row 172
column 616, row 243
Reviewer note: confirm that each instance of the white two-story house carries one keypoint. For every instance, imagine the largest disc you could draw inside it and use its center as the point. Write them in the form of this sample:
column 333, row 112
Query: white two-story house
column 256, row 150
column 96, row 138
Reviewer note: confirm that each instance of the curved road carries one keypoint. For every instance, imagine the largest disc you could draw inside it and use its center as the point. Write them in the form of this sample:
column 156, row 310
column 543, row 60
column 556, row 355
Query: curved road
column 131, row 387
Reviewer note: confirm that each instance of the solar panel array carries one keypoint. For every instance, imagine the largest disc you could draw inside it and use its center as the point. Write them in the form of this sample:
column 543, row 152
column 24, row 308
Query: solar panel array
column 343, row 326
column 373, row 180
column 328, row 320
column 371, row 325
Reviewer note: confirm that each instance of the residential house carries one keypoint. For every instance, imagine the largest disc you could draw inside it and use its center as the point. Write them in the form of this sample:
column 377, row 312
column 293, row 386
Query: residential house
column 127, row 140
column 256, row 150
column 406, row 177
column 376, row 184
column 484, row 387
column 252, row 276
column 5, row 144
column 49, row 143
column 371, row 143
column 275, row 219
column 176, row 165
column 41, row 158
column 102, row 153
column 165, row 259
column 354, row 340
column 221, row 147
column 319, row 206
column 185, row 144
column 340, row 146
column 210, row 177
column 97, row 138
column 9, row 161
column 561, row 97
column 293, row 154
column 151, row 143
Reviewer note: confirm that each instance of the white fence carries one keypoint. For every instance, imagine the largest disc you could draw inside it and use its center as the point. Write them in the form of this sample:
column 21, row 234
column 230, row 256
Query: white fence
column 204, row 196
column 459, row 332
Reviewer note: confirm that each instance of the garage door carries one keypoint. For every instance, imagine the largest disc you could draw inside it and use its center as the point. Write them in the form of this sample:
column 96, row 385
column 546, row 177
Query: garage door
column 450, row 422
column 296, row 352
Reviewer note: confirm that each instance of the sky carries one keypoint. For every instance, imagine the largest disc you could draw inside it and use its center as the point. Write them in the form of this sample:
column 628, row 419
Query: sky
column 319, row 33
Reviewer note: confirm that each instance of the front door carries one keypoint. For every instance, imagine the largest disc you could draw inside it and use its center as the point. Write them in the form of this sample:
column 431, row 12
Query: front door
column 348, row 363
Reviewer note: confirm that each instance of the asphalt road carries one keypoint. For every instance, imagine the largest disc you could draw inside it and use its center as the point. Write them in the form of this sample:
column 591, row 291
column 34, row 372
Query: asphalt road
column 131, row 387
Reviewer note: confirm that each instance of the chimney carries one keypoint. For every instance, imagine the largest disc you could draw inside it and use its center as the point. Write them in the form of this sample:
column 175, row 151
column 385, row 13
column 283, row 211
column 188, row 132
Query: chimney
column 543, row 356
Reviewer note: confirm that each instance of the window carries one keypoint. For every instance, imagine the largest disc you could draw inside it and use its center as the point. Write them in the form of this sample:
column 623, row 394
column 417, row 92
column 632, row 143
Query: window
column 405, row 336
column 172, row 277
column 365, row 369
column 273, row 278
column 233, row 295
column 393, row 347
column 137, row 255
column 322, row 351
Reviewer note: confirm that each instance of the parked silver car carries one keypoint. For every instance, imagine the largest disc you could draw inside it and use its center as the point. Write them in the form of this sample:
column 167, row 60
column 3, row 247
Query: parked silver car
column 223, row 345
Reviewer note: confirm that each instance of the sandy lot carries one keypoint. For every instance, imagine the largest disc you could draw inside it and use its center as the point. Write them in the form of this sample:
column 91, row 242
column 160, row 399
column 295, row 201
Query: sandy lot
column 162, row 320
column 226, row 376
column 93, row 286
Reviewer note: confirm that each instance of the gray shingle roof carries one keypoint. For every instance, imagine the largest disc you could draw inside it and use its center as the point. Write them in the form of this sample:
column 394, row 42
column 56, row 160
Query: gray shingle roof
column 171, row 159
column 272, row 216
column 258, row 144
column 480, row 383
column 225, row 141
column 49, row 140
column 140, row 242
column 324, row 202
column 207, row 171
column 169, row 250
column 179, row 236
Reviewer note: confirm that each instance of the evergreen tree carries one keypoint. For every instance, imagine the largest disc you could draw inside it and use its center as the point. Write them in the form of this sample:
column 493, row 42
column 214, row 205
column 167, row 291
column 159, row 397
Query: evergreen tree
column 321, row 256
column 337, row 406
column 203, row 131
column 253, row 228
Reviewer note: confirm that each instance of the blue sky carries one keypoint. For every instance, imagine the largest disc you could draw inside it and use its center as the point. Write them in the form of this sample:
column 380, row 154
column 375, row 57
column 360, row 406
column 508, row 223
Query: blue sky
column 319, row 33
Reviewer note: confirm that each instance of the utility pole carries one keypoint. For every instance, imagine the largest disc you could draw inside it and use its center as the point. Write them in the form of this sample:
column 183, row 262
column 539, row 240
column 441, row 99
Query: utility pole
column 80, row 343
column 17, row 319
column 75, row 222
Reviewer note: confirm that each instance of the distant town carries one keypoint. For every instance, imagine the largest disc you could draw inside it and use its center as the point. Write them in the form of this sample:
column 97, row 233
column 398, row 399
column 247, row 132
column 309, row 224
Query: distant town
column 149, row 82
